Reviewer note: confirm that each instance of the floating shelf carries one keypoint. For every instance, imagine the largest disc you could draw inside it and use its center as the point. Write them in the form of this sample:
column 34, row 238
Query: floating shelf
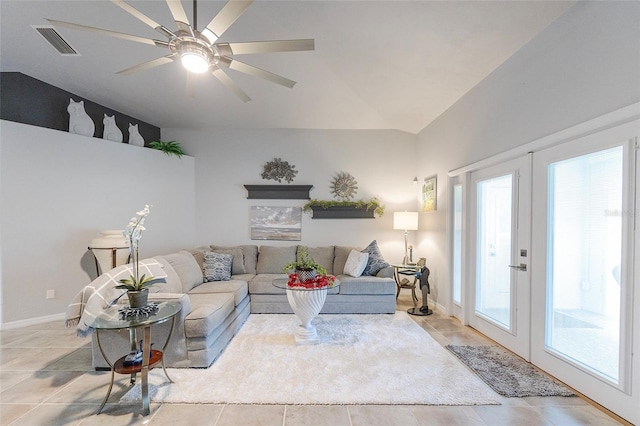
column 343, row 212
column 274, row 192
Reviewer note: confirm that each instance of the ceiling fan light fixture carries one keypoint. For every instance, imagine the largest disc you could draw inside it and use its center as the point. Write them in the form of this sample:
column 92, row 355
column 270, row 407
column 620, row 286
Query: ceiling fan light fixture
column 195, row 58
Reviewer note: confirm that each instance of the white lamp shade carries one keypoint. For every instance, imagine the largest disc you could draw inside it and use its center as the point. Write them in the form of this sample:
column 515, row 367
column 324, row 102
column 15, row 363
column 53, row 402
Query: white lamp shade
column 407, row 221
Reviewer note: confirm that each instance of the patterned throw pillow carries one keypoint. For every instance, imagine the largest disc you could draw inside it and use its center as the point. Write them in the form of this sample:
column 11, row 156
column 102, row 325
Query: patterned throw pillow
column 376, row 262
column 356, row 262
column 217, row 266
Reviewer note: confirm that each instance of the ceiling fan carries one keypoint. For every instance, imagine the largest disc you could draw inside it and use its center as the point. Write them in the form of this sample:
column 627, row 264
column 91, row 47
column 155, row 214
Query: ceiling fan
column 200, row 51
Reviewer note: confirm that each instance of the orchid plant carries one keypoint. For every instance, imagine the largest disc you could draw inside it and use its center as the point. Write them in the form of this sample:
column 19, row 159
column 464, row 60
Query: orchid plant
column 133, row 233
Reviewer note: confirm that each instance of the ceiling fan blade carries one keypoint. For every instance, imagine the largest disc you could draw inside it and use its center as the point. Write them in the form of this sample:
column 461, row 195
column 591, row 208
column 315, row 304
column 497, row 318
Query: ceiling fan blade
column 179, row 15
column 225, row 18
column 242, row 48
column 234, row 64
column 226, row 80
column 149, row 64
column 109, row 33
column 142, row 17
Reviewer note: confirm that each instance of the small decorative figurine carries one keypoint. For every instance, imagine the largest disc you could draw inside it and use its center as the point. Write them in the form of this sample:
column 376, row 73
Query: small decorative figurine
column 111, row 131
column 79, row 121
column 135, row 138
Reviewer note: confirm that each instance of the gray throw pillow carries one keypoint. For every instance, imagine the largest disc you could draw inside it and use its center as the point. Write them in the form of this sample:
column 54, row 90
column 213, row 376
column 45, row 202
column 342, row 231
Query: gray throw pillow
column 217, row 266
column 237, row 267
column 376, row 262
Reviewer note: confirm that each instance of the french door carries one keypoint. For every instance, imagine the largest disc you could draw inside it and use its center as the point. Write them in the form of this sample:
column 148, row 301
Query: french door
column 499, row 223
column 582, row 296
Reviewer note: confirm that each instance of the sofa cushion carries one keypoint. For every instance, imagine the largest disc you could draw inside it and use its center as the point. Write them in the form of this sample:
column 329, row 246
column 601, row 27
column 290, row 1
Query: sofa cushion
column 238, row 288
column 356, row 262
column 376, row 262
column 323, row 256
column 186, row 268
column 341, row 255
column 237, row 267
column 208, row 312
column 271, row 259
column 366, row 285
column 249, row 253
column 198, row 254
column 263, row 284
column 217, row 266
column 172, row 282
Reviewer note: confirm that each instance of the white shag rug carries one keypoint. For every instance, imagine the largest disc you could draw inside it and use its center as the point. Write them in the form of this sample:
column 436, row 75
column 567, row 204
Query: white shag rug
column 362, row 359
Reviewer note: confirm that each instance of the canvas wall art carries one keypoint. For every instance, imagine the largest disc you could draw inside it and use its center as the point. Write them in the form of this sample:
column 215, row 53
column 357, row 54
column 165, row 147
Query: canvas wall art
column 276, row 223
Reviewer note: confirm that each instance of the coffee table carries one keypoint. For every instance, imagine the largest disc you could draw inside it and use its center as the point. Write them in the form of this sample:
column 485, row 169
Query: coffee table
column 111, row 319
column 306, row 304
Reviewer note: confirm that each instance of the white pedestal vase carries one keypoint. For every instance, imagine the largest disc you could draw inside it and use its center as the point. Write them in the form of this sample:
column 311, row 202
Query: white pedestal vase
column 306, row 304
column 110, row 250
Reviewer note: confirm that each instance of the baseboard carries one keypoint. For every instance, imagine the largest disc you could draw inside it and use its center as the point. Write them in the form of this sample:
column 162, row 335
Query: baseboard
column 31, row 321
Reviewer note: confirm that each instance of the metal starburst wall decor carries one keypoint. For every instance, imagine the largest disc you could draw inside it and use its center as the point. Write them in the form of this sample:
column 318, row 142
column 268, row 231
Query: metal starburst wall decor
column 344, row 186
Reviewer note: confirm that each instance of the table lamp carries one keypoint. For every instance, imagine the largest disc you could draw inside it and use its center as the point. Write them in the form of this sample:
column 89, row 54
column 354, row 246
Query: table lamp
column 407, row 221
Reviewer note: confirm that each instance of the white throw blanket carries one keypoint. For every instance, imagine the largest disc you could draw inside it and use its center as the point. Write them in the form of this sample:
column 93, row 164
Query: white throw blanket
column 101, row 294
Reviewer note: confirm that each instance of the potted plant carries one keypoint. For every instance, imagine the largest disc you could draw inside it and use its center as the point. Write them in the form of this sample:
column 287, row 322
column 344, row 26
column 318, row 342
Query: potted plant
column 345, row 208
column 307, row 273
column 136, row 285
column 305, row 267
column 168, row 147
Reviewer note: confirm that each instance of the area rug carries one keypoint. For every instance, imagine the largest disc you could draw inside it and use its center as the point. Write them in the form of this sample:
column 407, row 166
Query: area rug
column 508, row 374
column 361, row 359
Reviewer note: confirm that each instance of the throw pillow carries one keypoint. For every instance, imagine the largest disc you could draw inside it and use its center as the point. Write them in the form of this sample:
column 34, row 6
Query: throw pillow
column 376, row 262
column 237, row 267
column 217, row 266
column 356, row 262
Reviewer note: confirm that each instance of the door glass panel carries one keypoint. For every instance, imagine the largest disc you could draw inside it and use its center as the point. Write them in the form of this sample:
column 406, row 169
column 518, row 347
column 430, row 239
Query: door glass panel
column 584, row 246
column 457, row 243
column 493, row 282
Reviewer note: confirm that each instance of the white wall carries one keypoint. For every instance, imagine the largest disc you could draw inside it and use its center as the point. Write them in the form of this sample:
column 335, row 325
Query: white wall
column 382, row 162
column 585, row 64
column 58, row 190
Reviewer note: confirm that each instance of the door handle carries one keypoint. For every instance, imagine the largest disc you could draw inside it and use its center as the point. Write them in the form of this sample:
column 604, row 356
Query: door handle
column 521, row 267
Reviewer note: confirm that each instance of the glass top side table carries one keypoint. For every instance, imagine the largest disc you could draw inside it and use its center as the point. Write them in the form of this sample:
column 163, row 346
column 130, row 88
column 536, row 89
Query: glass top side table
column 111, row 319
column 306, row 304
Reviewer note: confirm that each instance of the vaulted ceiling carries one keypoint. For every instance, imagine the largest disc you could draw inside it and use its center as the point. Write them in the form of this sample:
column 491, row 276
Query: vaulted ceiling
column 376, row 64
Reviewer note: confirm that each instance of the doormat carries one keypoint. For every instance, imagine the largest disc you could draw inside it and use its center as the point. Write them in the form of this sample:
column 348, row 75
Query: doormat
column 508, row 374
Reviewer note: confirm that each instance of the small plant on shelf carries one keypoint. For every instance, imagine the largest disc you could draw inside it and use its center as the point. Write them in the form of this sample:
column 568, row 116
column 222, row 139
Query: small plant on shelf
column 371, row 204
column 169, row 147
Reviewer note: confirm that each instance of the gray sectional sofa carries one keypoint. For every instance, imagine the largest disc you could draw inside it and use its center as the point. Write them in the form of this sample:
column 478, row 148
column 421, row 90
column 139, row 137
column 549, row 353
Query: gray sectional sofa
column 214, row 311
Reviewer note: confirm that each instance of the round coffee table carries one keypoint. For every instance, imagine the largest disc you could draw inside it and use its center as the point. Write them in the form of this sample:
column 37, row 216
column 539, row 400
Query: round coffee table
column 306, row 304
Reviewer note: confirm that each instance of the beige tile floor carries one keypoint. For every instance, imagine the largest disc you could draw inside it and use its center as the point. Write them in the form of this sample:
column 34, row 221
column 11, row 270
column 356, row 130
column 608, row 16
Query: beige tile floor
column 46, row 379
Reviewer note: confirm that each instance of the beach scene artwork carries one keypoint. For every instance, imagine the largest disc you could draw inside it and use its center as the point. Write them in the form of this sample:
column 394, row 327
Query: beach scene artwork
column 276, row 223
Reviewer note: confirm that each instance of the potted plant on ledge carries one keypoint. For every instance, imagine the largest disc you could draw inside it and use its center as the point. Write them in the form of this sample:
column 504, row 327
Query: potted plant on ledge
column 305, row 272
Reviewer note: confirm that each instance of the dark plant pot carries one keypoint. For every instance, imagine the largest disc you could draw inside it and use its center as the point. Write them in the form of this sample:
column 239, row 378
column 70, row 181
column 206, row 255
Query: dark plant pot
column 306, row 274
column 138, row 299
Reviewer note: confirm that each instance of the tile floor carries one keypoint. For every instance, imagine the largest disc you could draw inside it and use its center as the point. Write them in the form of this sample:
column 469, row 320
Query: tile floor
column 46, row 379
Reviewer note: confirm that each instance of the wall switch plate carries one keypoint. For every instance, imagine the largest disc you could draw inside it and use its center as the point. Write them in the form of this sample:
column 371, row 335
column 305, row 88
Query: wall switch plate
column 51, row 294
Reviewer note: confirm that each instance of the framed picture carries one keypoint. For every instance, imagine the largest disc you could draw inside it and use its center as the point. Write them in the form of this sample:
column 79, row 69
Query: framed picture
column 276, row 223
column 429, row 201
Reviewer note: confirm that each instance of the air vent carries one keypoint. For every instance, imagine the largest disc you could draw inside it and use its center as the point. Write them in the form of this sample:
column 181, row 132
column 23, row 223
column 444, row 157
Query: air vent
column 55, row 39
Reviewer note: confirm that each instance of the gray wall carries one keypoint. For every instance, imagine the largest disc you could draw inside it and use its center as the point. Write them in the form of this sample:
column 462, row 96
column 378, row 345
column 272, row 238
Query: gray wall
column 382, row 162
column 585, row 64
column 58, row 190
